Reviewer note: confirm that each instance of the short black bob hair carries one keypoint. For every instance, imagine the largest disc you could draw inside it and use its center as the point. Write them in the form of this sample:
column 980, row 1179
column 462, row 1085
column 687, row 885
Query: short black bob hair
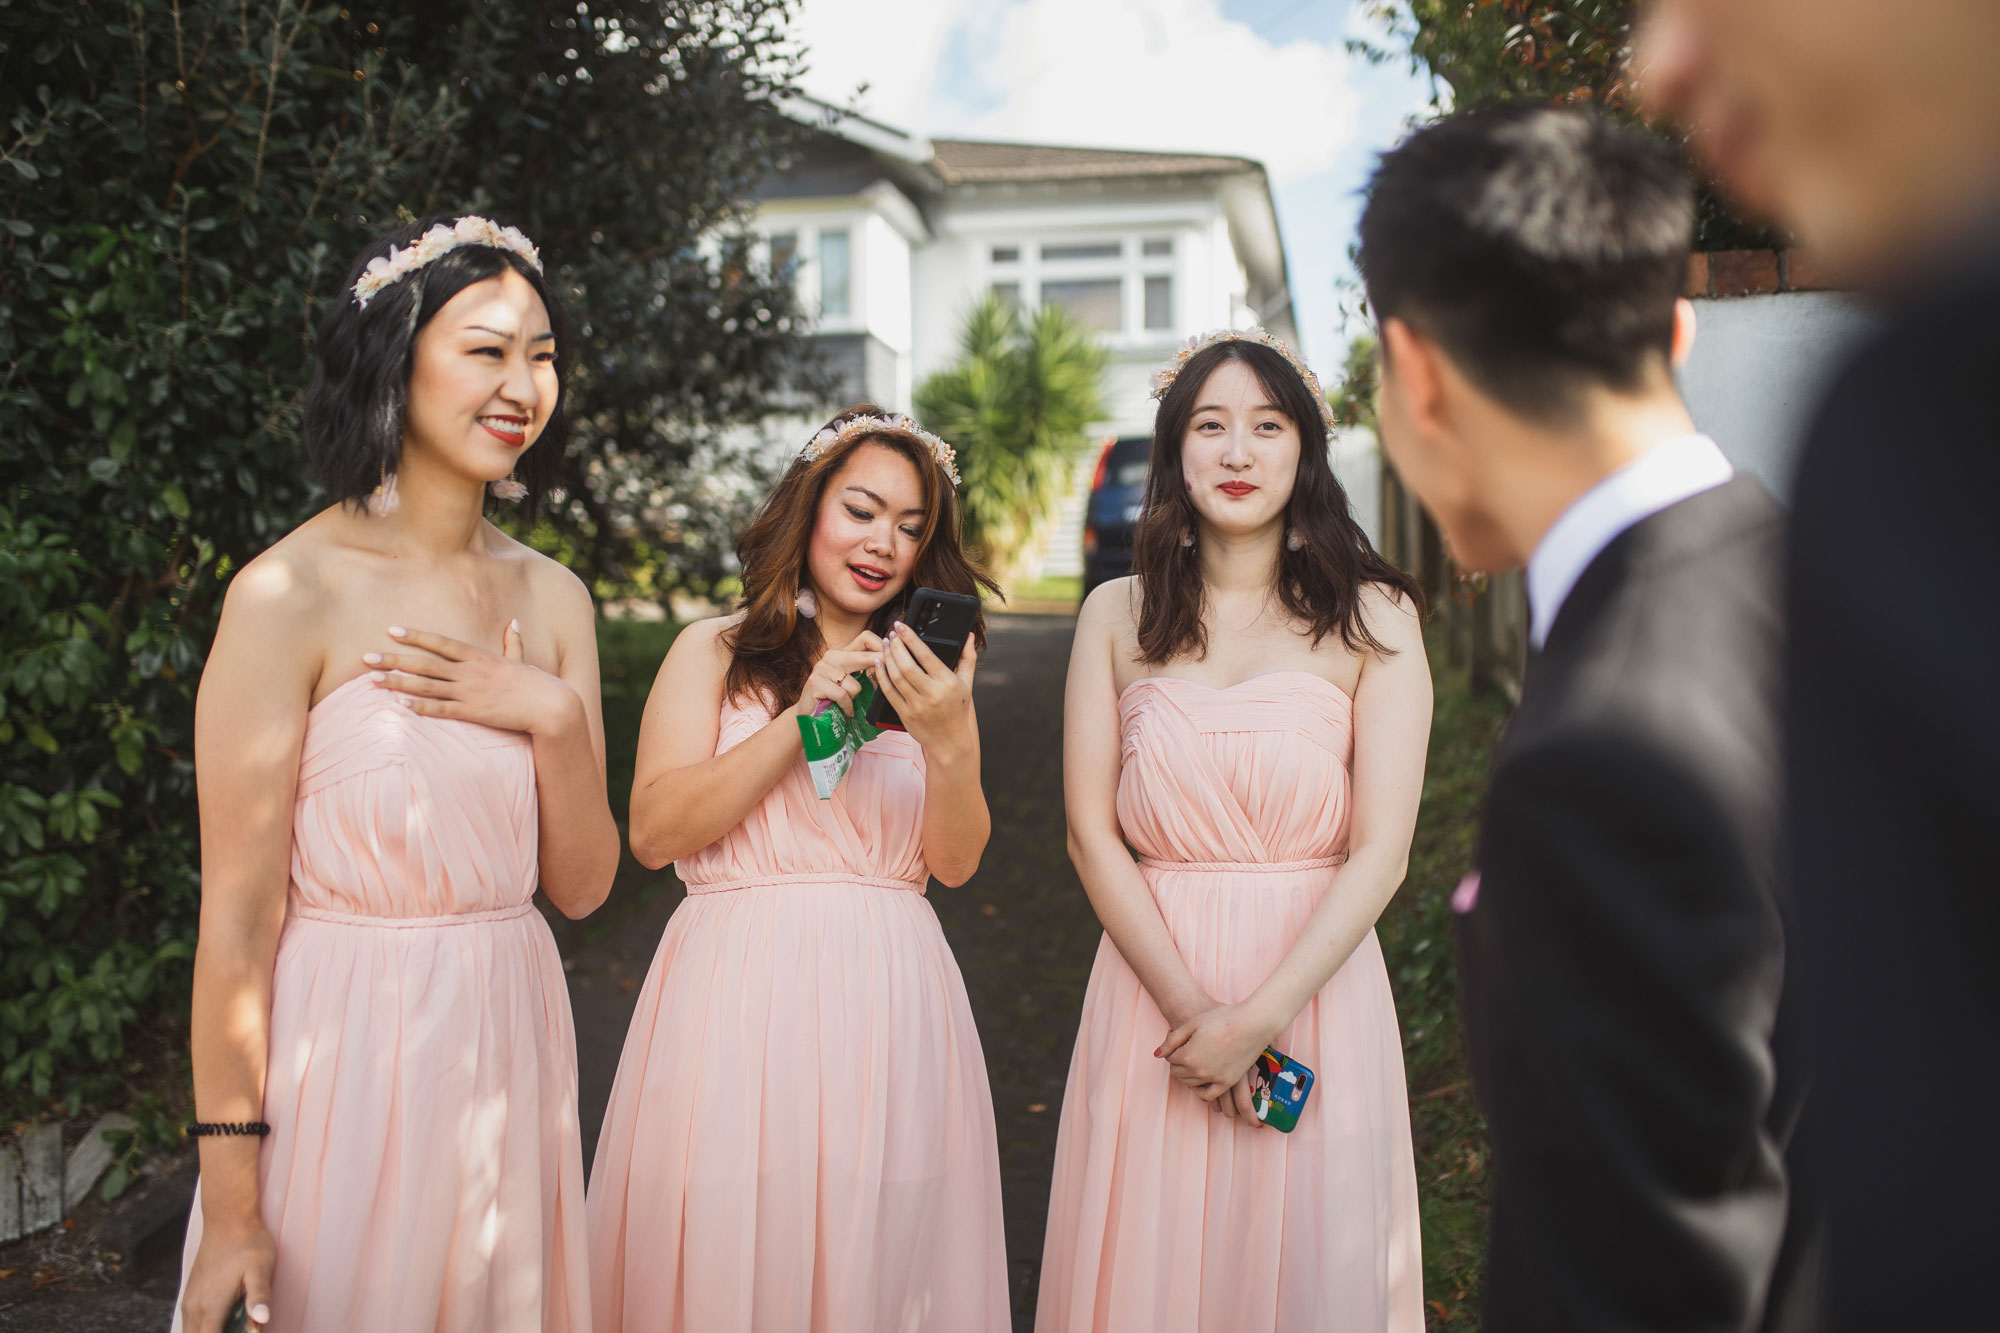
column 354, row 411
column 1543, row 248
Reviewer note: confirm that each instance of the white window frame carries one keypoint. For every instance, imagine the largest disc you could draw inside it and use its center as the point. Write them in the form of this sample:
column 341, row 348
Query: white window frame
column 1130, row 269
column 806, row 267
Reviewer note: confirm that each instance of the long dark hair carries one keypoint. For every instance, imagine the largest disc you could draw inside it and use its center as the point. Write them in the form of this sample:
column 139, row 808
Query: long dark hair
column 355, row 409
column 773, row 648
column 1318, row 585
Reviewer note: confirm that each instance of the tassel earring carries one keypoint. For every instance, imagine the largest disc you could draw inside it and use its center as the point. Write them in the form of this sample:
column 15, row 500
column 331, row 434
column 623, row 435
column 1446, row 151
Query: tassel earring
column 385, row 497
column 808, row 603
column 507, row 489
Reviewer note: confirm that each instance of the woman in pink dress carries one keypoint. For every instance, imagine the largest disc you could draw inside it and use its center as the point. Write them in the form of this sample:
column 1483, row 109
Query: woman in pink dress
column 1250, row 713
column 801, row 1136
column 384, row 1069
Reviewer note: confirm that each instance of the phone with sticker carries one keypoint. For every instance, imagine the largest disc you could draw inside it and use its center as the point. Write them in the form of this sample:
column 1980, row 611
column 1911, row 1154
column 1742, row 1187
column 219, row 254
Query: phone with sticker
column 1279, row 1086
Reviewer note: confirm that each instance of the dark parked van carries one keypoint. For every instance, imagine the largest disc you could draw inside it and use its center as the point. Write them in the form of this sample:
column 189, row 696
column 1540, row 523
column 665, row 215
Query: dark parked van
column 1117, row 491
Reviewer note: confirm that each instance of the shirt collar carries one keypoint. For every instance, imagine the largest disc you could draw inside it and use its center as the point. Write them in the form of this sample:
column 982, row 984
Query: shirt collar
column 1663, row 476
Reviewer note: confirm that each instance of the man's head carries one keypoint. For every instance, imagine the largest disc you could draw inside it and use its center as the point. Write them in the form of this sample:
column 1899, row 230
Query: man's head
column 1524, row 264
column 1872, row 127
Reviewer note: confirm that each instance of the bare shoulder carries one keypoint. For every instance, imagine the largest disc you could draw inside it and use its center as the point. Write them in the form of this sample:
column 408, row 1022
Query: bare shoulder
column 278, row 591
column 552, row 583
column 272, row 633
column 1111, row 610
column 705, row 641
column 1391, row 618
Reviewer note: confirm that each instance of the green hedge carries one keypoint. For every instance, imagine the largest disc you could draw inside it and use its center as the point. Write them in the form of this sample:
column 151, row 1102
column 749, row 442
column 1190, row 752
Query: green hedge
column 181, row 187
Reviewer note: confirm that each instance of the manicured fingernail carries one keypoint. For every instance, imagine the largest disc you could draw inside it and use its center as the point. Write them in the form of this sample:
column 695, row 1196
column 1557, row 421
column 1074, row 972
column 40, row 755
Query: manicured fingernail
column 372, row 659
column 397, row 631
column 261, row 1313
column 407, row 700
column 378, row 677
column 514, row 625
column 1156, row 1051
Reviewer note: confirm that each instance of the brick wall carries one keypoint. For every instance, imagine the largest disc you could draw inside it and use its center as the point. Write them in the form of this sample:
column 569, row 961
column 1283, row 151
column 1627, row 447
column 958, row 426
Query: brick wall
column 1755, row 273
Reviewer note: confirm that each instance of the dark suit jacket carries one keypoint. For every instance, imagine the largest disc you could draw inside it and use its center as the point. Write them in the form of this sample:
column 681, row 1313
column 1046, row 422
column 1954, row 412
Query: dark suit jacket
column 1894, row 751
column 1626, row 1006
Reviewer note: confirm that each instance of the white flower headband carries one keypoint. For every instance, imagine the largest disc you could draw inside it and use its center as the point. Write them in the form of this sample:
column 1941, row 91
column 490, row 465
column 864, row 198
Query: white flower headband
column 1164, row 379
column 434, row 245
column 893, row 424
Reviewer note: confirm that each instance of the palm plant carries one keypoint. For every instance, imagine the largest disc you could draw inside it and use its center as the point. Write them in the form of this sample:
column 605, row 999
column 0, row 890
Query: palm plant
column 1017, row 405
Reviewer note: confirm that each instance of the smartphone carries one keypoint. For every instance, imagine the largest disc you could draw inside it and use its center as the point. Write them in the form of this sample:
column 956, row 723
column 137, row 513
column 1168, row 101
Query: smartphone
column 943, row 620
column 1278, row 1089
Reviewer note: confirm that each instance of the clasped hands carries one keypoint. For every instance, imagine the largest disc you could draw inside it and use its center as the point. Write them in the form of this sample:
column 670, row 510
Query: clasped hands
column 439, row 676
column 1211, row 1053
column 933, row 700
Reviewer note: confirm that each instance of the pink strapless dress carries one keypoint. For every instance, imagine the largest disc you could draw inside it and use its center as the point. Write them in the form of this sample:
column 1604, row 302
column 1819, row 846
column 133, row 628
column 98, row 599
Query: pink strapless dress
column 1165, row 1216
column 424, row 1171
column 801, row 1135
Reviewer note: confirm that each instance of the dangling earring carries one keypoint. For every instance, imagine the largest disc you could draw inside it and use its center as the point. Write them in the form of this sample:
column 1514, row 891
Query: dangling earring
column 808, row 603
column 1187, row 536
column 1294, row 542
column 385, row 496
column 507, row 489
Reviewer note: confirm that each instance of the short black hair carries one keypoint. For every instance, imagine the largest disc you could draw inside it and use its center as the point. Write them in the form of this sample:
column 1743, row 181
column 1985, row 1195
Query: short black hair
column 354, row 410
column 1542, row 247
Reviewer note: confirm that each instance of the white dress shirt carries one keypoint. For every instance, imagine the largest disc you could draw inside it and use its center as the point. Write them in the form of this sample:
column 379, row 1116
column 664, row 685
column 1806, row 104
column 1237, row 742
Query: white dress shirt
column 1663, row 476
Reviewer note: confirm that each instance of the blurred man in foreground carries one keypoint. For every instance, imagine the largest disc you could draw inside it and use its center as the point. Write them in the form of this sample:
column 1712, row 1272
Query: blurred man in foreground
column 1873, row 128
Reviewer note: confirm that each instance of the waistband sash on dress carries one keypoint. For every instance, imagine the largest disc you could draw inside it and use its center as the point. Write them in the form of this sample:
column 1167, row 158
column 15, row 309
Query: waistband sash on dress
column 1247, row 867
column 830, row 878
column 305, row 913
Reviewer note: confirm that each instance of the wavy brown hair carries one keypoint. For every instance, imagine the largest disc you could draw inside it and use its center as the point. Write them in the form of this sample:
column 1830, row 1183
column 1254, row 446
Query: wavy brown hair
column 1318, row 585
column 773, row 648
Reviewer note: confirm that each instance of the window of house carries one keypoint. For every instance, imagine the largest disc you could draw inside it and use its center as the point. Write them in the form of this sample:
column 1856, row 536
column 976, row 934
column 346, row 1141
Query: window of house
column 1006, row 254
column 1010, row 292
column 834, row 275
column 1097, row 303
column 1159, row 302
column 1084, row 250
column 784, row 253
column 1158, row 247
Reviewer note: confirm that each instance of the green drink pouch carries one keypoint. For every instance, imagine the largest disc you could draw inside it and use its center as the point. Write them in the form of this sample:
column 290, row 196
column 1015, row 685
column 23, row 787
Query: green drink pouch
column 831, row 738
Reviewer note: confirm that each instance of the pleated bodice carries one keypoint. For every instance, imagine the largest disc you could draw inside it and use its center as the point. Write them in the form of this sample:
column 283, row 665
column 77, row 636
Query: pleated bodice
column 871, row 829
column 401, row 815
column 1252, row 774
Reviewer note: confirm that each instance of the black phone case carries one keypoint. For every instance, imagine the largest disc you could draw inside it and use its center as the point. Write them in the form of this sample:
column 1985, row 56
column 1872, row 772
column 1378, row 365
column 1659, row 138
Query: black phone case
column 943, row 629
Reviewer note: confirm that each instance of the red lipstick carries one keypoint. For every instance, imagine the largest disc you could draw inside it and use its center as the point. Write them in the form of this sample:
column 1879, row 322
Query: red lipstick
column 501, row 429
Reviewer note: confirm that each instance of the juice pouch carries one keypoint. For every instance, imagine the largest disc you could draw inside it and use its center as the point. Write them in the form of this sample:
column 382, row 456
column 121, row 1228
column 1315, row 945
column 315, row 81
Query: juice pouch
column 1278, row 1088
column 831, row 738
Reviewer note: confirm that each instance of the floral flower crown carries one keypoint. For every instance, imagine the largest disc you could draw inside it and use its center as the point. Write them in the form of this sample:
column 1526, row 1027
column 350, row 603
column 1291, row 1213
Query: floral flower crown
column 434, row 245
column 1164, row 379
column 894, row 424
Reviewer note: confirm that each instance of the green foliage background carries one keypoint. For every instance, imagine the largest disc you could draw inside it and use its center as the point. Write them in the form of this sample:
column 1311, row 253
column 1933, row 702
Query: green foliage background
column 182, row 186
column 1577, row 51
column 1016, row 404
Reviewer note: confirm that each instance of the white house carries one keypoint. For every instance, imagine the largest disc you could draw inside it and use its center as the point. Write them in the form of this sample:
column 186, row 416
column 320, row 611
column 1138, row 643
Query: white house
column 893, row 238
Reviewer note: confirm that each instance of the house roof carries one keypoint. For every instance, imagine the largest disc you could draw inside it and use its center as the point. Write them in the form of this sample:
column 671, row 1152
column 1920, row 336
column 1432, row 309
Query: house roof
column 966, row 162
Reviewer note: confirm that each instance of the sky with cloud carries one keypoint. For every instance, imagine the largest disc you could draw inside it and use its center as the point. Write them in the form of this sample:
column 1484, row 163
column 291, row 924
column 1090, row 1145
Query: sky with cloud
column 1267, row 79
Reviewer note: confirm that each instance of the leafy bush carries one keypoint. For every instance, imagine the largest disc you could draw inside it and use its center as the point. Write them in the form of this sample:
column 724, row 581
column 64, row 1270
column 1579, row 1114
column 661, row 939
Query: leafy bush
column 1016, row 405
column 1576, row 51
column 182, row 186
